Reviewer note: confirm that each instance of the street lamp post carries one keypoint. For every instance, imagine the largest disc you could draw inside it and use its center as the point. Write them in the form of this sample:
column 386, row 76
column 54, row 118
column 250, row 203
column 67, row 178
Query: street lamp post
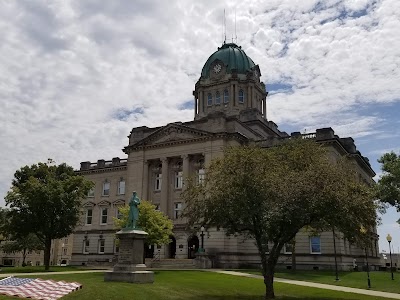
column 334, row 250
column 389, row 239
column 202, row 238
column 366, row 258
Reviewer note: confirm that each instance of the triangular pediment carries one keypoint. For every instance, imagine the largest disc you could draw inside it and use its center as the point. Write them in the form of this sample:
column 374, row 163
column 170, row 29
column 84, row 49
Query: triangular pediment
column 119, row 202
column 173, row 133
column 89, row 204
column 104, row 203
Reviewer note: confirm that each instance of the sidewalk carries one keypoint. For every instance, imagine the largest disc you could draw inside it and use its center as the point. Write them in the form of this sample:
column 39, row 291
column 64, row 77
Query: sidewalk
column 2, row 275
column 316, row 285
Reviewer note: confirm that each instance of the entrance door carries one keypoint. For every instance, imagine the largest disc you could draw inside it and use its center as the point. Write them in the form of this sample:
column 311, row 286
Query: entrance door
column 172, row 247
column 193, row 246
column 148, row 251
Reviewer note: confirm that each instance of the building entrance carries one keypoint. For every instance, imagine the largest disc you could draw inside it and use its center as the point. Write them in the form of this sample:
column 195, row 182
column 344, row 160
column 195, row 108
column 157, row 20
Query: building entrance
column 193, row 246
column 172, row 248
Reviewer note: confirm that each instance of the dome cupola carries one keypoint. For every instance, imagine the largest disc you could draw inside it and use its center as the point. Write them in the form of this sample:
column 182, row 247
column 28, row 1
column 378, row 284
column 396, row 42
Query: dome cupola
column 230, row 84
column 231, row 57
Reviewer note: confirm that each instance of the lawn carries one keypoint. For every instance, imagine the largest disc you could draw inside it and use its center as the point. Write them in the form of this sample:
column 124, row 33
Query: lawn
column 190, row 285
column 380, row 280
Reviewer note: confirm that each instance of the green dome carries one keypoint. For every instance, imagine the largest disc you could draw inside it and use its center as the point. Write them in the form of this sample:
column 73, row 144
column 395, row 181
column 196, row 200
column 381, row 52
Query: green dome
column 233, row 57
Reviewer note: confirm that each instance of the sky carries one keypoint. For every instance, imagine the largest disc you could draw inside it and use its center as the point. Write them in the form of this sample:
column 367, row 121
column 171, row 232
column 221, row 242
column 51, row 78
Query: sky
column 77, row 76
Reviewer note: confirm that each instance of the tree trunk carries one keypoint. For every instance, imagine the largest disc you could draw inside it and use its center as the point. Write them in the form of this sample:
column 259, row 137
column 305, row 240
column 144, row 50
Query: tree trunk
column 47, row 248
column 294, row 256
column 24, row 257
column 269, row 282
column 268, row 269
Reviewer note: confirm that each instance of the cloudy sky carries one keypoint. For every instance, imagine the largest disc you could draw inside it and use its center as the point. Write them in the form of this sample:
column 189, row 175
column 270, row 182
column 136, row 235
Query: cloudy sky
column 76, row 76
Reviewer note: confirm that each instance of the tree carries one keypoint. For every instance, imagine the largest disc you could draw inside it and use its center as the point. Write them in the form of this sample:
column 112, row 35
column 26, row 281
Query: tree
column 23, row 244
column 270, row 194
column 388, row 187
column 155, row 223
column 45, row 199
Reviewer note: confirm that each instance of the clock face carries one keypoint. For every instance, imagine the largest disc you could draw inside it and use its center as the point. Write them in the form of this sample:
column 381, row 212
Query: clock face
column 217, row 68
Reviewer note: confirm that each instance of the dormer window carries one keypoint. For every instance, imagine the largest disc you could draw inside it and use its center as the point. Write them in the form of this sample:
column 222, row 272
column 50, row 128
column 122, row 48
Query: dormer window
column 209, row 100
column 217, row 98
column 241, row 96
column 226, row 96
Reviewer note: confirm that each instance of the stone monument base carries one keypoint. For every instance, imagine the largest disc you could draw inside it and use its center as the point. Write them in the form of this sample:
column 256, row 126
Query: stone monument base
column 130, row 266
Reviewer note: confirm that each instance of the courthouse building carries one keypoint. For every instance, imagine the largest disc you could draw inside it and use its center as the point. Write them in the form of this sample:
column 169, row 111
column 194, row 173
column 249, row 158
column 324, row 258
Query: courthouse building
column 230, row 109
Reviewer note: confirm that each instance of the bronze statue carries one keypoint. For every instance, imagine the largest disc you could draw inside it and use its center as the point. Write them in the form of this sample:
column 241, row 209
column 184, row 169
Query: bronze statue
column 133, row 211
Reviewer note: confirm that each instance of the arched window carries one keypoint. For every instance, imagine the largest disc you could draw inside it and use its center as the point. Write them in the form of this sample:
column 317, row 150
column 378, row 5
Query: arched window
column 241, row 96
column 217, row 98
column 209, row 99
column 226, row 96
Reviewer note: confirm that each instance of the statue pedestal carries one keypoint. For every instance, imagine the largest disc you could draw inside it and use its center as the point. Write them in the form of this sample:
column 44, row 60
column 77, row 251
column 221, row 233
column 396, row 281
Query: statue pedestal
column 130, row 266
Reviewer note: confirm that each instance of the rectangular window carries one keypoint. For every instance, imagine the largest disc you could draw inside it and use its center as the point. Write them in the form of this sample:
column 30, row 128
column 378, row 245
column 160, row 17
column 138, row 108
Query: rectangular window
column 177, row 210
column 157, row 207
column 116, row 246
column 104, row 216
column 86, row 246
column 178, row 179
column 158, row 182
column 89, row 216
column 37, row 263
column 288, row 248
column 65, row 251
column 315, row 244
column 118, row 213
column 102, row 244
column 91, row 192
column 65, row 241
column 201, row 176
column 106, row 189
column 121, row 188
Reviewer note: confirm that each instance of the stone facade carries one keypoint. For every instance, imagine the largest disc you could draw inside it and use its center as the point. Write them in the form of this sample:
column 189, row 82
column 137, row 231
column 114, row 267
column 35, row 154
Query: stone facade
column 230, row 110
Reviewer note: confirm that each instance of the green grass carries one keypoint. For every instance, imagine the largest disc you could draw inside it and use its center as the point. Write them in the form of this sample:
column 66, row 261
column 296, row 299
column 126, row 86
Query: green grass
column 191, row 285
column 34, row 269
column 380, row 281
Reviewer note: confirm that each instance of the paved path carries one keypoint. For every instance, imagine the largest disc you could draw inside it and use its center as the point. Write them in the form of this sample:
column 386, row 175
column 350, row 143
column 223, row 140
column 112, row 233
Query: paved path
column 316, row 285
column 2, row 275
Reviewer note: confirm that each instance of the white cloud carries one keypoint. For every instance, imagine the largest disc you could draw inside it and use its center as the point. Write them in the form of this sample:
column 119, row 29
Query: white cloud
column 67, row 68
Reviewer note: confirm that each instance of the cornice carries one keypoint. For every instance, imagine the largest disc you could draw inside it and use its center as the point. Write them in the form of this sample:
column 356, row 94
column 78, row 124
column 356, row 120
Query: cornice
column 101, row 170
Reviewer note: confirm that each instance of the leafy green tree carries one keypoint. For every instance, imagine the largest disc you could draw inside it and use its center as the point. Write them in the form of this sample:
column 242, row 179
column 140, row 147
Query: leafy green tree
column 270, row 194
column 155, row 223
column 388, row 187
column 45, row 199
column 23, row 244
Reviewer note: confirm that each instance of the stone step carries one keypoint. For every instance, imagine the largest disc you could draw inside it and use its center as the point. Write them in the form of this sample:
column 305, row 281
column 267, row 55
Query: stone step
column 174, row 264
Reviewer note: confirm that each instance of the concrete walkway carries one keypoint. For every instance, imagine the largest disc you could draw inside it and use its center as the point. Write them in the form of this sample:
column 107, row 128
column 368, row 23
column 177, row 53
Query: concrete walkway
column 2, row 275
column 316, row 285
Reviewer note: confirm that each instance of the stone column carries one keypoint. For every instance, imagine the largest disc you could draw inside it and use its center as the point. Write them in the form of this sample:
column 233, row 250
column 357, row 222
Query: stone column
column 265, row 107
column 185, row 168
column 232, row 97
column 164, row 205
column 145, row 188
column 252, row 97
column 201, row 103
column 247, row 97
column 195, row 106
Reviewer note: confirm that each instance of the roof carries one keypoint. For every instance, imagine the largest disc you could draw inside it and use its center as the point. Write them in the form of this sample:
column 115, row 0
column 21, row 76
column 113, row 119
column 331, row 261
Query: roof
column 233, row 57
